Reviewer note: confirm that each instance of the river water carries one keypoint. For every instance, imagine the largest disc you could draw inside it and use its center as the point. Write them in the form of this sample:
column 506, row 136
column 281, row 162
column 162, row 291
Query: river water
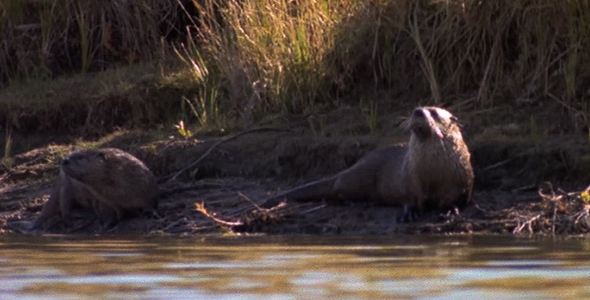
column 294, row 267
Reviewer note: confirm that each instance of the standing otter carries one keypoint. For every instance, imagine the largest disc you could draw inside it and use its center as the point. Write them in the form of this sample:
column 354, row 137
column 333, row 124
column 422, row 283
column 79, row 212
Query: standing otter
column 433, row 172
column 108, row 181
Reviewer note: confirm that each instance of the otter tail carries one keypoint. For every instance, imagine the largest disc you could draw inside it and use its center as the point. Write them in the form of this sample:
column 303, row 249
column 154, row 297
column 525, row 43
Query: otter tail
column 313, row 191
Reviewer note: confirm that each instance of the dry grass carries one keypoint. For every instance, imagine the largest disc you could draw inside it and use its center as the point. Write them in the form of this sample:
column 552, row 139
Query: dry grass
column 282, row 56
column 248, row 59
column 41, row 39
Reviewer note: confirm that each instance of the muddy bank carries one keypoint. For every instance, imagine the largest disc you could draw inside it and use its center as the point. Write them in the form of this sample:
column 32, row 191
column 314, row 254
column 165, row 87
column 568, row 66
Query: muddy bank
column 221, row 194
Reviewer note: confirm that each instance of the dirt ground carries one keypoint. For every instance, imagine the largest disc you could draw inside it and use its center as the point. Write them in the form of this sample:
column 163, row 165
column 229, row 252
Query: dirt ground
column 530, row 177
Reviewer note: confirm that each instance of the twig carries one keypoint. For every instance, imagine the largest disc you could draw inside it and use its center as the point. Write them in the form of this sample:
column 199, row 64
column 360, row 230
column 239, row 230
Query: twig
column 580, row 215
column 527, row 223
column 249, row 200
column 551, row 196
column 313, row 209
column 499, row 164
column 201, row 208
column 173, row 224
column 4, row 176
column 554, row 218
column 173, row 176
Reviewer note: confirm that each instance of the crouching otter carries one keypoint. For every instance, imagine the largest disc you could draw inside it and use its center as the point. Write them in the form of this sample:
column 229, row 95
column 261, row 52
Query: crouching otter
column 433, row 172
column 109, row 182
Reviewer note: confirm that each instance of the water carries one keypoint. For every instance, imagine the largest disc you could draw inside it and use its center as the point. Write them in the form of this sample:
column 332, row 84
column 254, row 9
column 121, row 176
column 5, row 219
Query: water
column 294, row 267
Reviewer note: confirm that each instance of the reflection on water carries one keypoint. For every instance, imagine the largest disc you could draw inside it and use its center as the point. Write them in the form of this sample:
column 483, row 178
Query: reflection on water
column 391, row 267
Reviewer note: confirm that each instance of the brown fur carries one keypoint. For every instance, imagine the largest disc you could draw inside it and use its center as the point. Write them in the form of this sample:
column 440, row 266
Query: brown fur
column 109, row 182
column 433, row 171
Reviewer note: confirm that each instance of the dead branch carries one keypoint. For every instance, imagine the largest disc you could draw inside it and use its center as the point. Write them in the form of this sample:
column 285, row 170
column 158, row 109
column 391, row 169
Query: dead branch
column 201, row 208
column 528, row 223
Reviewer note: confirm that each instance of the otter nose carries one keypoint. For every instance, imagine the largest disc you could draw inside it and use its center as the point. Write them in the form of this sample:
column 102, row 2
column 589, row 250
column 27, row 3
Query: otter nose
column 418, row 112
column 65, row 161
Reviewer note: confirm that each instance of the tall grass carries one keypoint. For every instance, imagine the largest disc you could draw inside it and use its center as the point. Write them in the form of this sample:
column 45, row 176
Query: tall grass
column 294, row 56
column 206, row 102
column 6, row 160
column 269, row 53
column 48, row 38
column 250, row 58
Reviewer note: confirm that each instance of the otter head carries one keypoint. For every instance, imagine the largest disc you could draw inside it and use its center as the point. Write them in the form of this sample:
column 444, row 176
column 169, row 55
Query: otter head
column 79, row 165
column 432, row 122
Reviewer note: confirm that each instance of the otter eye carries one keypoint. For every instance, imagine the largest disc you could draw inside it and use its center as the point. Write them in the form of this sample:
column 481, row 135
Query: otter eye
column 434, row 114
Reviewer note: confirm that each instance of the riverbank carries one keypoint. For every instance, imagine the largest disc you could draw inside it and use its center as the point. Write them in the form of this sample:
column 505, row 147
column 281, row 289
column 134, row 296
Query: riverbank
column 521, row 177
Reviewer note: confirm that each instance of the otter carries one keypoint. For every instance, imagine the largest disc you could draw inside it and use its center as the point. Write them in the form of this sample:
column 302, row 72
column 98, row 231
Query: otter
column 432, row 172
column 108, row 182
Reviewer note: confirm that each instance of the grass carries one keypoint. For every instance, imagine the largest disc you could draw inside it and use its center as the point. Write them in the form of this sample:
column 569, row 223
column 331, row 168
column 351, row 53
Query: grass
column 269, row 53
column 206, row 104
column 370, row 113
column 234, row 63
column 49, row 38
column 6, row 161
